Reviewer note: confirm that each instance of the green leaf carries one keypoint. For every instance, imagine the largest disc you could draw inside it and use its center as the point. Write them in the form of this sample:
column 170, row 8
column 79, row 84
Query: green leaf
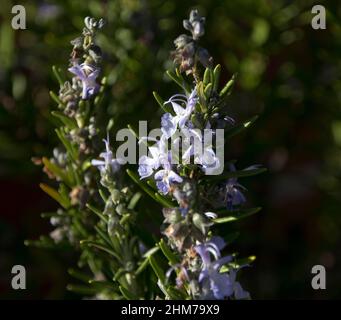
column 151, row 251
column 208, row 90
column 141, row 184
column 55, row 98
column 65, row 203
column 77, row 224
column 47, row 243
column 174, row 293
column 207, row 77
column 164, row 201
column 68, row 122
column 67, row 144
column 103, row 195
column 179, row 80
column 172, row 258
column 216, row 77
column 92, row 244
column 161, row 103
column 119, row 273
column 152, row 184
column 86, row 290
column 79, row 275
column 133, row 131
column 157, row 269
column 102, row 285
column 145, row 262
column 142, row 266
column 238, row 263
column 227, row 88
column 97, row 212
column 134, row 200
column 239, row 128
column 58, row 172
column 235, row 216
column 57, row 75
column 127, row 294
column 243, row 261
column 104, row 236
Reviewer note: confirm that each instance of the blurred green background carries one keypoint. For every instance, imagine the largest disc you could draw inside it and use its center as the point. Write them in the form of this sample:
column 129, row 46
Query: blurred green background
column 288, row 72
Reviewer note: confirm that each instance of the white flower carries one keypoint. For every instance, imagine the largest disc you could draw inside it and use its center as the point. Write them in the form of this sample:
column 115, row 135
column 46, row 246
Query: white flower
column 165, row 178
column 109, row 162
column 87, row 74
column 159, row 155
column 170, row 123
column 201, row 151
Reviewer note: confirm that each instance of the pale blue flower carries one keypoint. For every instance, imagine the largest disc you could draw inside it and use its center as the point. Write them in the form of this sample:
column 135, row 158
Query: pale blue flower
column 87, row 74
column 214, row 284
column 234, row 197
column 202, row 153
column 238, row 291
column 158, row 155
column 166, row 177
column 146, row 166
column 109, row 163
column 170, row 123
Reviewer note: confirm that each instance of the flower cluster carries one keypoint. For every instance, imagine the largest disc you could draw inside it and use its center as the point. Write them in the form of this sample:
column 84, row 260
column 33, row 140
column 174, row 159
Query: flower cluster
column 201, row 271
column 173, row 126
column 86, row 72
column 161, row 157
column 97, row 211
column 216, row 285
column 187, row 49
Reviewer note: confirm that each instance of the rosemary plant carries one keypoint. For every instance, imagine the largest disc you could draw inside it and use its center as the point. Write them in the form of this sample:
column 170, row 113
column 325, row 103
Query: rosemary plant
column 99, row 202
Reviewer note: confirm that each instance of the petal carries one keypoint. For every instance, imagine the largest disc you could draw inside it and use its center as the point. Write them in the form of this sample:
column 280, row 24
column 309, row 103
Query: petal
column 163, row 186
column 204, row 254
column 237, row 197
column 144, row 160
column 186, row 157
column 240, row 293
column 168, row 125
column 115, row 166
column 77, row 70
column 211, row 215
column 203, row 274
column 182, row 120
column 145, row 171
column 179, row 110
column 93, row 75
column 160, row 174
column 97, row 163
column 220, row 262
column 174, row 177
column 85, row 94
column 155, row 152
column 221, row 285
column 218, row 241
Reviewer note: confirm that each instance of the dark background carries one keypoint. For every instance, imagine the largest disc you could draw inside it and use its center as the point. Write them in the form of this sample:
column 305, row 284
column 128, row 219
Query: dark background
column 288, row 73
